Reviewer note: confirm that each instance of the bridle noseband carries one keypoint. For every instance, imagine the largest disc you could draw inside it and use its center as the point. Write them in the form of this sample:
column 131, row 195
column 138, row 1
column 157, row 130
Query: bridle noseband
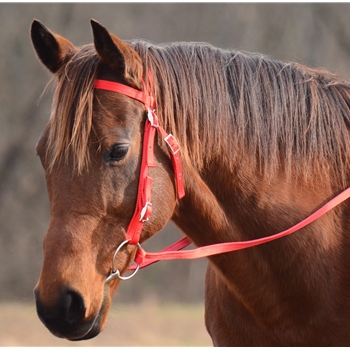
column 143, row 209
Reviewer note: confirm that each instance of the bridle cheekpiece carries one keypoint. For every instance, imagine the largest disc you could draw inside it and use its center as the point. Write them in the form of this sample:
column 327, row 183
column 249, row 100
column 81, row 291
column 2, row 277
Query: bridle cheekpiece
column 143, row 209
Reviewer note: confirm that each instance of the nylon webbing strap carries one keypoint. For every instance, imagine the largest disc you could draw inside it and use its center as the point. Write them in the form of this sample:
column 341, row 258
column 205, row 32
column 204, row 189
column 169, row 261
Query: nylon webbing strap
column 143, row 209
column 140, row 96
column 144, row 259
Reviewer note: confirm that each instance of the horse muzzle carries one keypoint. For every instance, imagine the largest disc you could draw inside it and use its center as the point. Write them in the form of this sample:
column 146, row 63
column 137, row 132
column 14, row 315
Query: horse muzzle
column 66, row 318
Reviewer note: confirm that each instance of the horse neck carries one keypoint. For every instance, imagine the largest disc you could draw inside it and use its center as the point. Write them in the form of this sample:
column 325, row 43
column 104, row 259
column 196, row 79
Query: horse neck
column 222, row 206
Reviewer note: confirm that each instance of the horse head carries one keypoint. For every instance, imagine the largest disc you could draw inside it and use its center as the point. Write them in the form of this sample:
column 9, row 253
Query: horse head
column 91, row 151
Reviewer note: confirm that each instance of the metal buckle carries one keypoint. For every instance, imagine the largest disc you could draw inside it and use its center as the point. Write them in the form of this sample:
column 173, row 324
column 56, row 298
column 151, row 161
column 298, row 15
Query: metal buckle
column 144, row 211
column 115, row 274
column 170, row 136
column 151, row 118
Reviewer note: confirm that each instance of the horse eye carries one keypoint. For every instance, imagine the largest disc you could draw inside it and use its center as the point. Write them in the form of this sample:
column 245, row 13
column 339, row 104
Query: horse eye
column 116, row 153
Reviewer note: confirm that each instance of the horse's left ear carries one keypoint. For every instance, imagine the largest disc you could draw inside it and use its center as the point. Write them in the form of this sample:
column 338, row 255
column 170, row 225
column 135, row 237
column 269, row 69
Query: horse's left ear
column 118, row 55
column 52, row 49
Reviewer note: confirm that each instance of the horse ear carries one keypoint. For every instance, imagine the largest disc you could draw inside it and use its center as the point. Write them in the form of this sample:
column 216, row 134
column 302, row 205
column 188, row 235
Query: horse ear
column 52, row 49
column 118, row 55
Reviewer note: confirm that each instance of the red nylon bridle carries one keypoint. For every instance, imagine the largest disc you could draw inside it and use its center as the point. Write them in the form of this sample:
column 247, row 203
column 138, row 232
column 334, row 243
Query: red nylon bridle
column 143, row 209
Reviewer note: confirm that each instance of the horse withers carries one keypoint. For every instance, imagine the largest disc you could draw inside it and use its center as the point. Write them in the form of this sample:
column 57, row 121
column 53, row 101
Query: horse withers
column 263, row 145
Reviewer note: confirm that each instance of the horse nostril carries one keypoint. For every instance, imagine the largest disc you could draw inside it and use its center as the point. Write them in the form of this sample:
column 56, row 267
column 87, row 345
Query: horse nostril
column 72, row 306
column 65, row 318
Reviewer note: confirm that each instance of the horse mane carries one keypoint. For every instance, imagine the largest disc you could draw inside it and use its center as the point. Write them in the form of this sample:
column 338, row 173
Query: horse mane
column 71, row 115
column 236, row 107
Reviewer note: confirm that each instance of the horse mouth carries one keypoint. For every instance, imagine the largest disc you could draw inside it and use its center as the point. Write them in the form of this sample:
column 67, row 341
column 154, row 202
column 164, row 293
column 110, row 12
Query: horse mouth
column 94, row 330
column 76, row 334
column 73, row 330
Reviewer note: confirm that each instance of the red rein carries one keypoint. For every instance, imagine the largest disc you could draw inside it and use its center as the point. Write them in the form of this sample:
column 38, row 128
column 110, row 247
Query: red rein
column 143, row 208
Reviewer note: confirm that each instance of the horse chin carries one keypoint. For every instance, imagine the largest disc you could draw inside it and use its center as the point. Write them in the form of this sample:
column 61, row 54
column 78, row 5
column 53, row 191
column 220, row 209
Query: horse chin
column 92, row 333
column 97, row 324
column 81, row 329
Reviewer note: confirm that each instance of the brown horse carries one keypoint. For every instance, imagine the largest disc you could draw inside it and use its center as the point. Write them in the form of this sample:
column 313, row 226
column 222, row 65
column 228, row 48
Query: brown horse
column 263, row 145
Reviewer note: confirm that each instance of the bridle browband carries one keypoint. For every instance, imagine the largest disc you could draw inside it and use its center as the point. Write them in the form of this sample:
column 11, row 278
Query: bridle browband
column 143, row 209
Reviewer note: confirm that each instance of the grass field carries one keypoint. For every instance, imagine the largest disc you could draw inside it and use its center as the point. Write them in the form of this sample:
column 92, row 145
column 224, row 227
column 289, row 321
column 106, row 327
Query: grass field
column 146, row 324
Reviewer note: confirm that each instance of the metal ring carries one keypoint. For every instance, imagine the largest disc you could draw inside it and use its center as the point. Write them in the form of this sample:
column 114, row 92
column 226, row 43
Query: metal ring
column 115, row 272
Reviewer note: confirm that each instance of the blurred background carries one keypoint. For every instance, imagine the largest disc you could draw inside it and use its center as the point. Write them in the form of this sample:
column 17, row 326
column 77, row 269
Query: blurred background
column 316, row 34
